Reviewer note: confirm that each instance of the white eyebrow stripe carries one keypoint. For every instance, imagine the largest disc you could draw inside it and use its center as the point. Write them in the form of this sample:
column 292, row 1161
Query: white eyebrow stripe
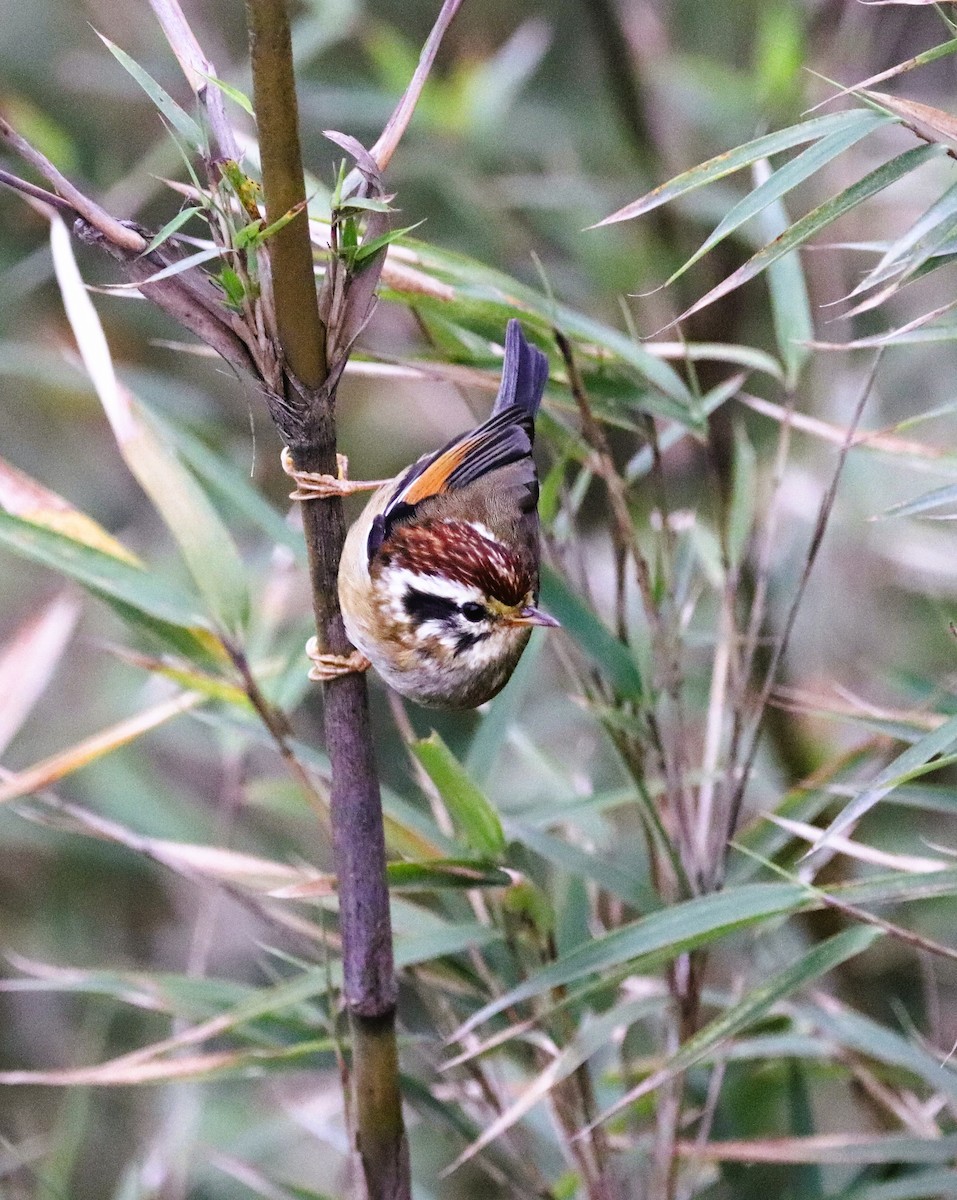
column 484, row 531
column 400, row 579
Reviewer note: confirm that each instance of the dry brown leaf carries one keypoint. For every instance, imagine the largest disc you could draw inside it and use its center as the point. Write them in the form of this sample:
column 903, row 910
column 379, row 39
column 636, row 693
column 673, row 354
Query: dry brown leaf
column 927, row 121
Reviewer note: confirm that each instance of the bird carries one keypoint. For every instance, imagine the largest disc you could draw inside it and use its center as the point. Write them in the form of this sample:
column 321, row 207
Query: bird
column 439, row 576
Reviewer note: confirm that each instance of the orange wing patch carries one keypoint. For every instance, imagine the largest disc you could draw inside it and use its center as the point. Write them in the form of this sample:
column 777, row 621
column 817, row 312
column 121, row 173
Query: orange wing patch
column 434, row 479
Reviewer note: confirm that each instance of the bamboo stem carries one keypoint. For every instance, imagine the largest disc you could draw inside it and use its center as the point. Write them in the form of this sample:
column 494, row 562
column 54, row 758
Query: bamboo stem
column 305, row 415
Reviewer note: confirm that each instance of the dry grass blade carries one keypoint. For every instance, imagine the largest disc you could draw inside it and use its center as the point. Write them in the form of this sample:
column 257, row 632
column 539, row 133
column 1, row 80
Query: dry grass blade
column 822, row 1148
column 51, row 769
column 869, row 854
column 929, row 123
column 910, row 64
column 878, row 440
column 197, row 68
column 29, row 660
column 120, row 1073
column 385, row 145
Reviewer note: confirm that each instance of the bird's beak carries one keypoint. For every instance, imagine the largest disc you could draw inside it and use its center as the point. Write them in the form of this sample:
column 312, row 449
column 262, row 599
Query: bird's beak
column 532, row 616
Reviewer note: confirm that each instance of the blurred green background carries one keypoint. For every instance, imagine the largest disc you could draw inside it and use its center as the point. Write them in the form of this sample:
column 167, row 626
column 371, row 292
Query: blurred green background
column 540, row 120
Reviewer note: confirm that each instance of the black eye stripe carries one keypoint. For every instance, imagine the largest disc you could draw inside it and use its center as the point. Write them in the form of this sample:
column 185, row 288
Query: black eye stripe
column 426, row 606
column 465, row 641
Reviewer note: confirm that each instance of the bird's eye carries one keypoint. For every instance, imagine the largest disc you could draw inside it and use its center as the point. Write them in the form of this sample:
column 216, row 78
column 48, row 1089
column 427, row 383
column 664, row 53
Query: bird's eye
column 474, row 612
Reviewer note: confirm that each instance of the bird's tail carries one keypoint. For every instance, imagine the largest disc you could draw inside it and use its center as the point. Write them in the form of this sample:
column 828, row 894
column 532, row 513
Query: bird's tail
column 524, row 373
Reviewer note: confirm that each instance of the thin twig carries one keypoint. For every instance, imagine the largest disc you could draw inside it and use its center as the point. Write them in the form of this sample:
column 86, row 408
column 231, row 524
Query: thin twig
column 743, row 770
column 671, row 751
column 112, row 229
column 16, row 184
column 198, row 69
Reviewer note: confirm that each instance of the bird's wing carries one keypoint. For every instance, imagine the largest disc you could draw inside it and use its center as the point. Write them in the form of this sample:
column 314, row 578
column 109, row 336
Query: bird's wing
column 504, row 439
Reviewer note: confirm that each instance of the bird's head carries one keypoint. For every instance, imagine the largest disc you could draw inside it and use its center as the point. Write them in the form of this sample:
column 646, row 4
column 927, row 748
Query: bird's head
column 459, row 602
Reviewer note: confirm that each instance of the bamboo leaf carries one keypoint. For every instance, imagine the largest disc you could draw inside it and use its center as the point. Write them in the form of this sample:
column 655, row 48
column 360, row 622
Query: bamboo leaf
column 171, row 227
column 181, row 121
column 922, row 504
column 790, row 307
column 65, row 762
column 940, row 126
column 22, row 496
column 231, row 93
column 780, row 182
column 29, row 659
column 819, row 218
column 661, row 936
column 101, row 573
column 915, row 1185
column 810, row 966
column 177, row 268
column 592, row 636
column 203, row 539
column 744, row 498
column 222, row 475
column 828, row 1148
column 471, row 811
column 905, row 766
column 726, row 164
column 896, row 253
column 493, row 296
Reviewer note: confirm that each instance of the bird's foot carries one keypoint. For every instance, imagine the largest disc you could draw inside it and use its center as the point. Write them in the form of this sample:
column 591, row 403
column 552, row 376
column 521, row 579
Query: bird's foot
column 312, row 485
column 333, row 666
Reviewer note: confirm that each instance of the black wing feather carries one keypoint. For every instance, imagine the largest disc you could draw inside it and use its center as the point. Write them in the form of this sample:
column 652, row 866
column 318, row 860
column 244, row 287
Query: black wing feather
column 505, row 438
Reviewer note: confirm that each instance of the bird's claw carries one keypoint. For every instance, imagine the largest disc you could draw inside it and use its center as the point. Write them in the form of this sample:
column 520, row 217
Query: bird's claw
column 312, row 485
column 326, row 667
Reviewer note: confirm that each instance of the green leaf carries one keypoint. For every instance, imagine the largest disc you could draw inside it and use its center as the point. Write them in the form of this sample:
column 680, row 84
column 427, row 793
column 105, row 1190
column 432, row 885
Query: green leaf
column 790, row 307
column 734, row 160
column 592, row 636
column 862, row 1035
column 472, row 813
column 759, row 1000
column 365, row 204
column 232, row 93
column 181, row 121
column 171, row 227
column 744, row 497
column 493, row 296
column 846, row 1148
column 204, row 541
column 819, row 218
column 222, row 476
column 661, row 936
column 102, row 573
column 367, row 249
column 940, row 211
column 916, row 1185
column 179, row 267
column 233, row 286
column 903, row 768
column 440, row 873
column 922, row 504
column 777, row 184
column 585, row 865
